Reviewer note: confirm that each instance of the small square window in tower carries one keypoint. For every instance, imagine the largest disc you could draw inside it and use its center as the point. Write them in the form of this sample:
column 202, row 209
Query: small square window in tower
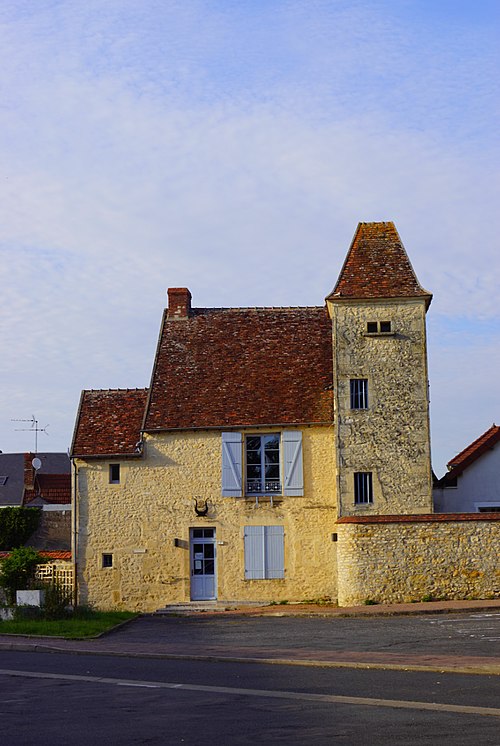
column 107, row 560
column 363, row 488
column 359, row 393
column 385, row 326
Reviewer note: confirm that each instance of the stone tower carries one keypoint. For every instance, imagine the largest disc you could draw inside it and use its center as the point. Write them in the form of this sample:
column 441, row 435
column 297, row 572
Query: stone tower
column 380, row 378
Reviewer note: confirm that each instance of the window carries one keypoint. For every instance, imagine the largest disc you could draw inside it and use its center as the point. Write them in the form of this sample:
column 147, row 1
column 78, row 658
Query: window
column 114, row 473
column 262, row 464
column 267, row 464
column 375, row 327
column 264, row 552
column 363, row 487
column 107, row 560
column 359, row 393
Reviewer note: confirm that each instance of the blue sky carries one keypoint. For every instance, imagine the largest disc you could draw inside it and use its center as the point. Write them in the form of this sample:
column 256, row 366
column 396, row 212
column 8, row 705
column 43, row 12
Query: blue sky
column 232, row 147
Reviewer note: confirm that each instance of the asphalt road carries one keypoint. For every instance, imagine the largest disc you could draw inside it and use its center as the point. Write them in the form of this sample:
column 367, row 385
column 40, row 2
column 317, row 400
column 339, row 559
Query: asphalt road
column 455, row 634
column 61, row 699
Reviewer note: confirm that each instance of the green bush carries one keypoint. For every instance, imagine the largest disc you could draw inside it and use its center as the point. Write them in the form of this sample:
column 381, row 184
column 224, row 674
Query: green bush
column 57, row 602
column 17, row 525
column 17, row 571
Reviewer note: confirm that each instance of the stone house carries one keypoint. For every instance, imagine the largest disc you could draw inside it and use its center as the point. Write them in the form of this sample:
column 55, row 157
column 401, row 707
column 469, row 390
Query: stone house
column 47, row 487
column 472, row 482
column 278, row 454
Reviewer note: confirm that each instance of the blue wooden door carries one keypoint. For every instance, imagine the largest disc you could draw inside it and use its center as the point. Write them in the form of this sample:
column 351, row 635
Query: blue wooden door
column 203, row 564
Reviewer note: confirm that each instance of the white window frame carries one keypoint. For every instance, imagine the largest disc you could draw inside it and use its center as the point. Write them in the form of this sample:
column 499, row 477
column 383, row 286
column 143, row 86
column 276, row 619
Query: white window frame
column 261, row 485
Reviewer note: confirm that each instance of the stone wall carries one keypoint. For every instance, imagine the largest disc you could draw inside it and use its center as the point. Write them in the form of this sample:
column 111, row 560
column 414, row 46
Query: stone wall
column 53, row 532
column 394, row 559
column 145, row 521
column 390, row 438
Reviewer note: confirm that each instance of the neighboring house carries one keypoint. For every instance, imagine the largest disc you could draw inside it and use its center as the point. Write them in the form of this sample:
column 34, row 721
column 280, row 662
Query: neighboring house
column 472, row 483
column 262, row 430
column 47, row 487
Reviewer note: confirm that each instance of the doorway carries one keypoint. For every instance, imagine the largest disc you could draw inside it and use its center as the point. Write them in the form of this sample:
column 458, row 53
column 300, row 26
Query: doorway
column 202, row 556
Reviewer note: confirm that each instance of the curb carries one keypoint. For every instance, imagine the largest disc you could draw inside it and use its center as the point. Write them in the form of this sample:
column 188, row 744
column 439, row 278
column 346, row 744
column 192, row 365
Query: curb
column 487, row 669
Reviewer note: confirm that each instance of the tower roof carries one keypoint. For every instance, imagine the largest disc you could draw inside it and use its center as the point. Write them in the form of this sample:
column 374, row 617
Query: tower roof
column 377, row 266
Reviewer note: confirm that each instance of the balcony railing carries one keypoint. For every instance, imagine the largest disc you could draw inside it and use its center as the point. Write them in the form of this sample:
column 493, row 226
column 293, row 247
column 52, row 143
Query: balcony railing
column 263, row 487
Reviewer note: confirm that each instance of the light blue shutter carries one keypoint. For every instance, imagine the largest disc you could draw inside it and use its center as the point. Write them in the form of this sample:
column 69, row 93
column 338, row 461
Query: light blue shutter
column 231, row 464
column 292, row 463
column 274, row 552
column 254, row 552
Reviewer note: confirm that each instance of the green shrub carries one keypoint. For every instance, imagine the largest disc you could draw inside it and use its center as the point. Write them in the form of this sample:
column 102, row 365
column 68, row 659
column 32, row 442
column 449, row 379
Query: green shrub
column 57, row 602
column 17, row 571
column 17, row 525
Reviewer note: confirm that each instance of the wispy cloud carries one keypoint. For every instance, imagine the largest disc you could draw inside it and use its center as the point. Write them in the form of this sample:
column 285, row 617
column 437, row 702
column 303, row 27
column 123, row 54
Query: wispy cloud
column 232, row 148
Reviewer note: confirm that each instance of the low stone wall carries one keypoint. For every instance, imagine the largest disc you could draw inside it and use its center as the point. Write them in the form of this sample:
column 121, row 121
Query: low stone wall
column 399, row 559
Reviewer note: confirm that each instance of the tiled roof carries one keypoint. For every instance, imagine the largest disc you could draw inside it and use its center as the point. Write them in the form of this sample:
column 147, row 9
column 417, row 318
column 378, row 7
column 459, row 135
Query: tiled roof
column 52, row 488
column 477, row 448
column 377, row 266
column 109, row 422
column 54, row 554
column 242, row 366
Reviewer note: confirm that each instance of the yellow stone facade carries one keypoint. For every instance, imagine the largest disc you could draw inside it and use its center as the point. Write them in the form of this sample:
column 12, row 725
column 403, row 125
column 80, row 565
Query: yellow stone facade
column 145, row 521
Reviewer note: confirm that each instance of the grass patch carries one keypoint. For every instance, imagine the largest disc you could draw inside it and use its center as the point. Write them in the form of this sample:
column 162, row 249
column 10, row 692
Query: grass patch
column 79, row 625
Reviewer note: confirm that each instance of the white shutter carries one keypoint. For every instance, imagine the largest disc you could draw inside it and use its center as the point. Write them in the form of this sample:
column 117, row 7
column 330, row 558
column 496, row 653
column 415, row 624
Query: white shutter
column 292, row 463
column 254, row 552
column 274, row 552
column 231, row 464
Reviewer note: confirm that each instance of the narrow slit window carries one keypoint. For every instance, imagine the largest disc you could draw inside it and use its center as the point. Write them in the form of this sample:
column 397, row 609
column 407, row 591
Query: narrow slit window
column 107, row 560
column 114, row 473
column 363, row 488
column 359, row 393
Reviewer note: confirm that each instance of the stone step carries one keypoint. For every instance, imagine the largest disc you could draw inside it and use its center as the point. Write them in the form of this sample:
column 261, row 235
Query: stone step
column 193, row 607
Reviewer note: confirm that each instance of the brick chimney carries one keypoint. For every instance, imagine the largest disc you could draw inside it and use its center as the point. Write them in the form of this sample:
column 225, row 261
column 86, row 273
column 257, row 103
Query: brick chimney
column 179, row 303
column 29, row 472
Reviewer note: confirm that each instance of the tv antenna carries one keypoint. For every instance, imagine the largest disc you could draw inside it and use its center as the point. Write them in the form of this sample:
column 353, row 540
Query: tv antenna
column 33, row 429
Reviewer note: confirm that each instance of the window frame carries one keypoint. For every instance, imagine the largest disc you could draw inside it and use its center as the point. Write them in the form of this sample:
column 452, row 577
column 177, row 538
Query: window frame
column 114, row 479
column 290, row 461
column 358, row 391
column 263, row 481
column 363, row 488
column 106, row 560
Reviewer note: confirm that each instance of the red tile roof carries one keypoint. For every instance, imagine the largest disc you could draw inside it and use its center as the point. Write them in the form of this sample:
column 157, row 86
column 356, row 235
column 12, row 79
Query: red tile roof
column 109, row 423
column 377, row 266
column 242, row 366
column 52, row 488
column 51, row 555
column 477, row 448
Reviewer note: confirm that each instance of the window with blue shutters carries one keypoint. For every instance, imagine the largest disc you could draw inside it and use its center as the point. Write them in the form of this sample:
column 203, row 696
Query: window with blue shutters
column 262, row 464
column 264, row 552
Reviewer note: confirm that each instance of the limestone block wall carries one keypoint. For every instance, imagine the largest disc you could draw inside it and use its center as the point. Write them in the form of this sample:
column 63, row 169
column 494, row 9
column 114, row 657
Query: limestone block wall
column 145, row 522
column 408, row 558
column 391, row 437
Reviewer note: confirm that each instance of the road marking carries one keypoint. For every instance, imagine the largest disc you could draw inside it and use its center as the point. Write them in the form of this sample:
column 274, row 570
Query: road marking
column 266, row 693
